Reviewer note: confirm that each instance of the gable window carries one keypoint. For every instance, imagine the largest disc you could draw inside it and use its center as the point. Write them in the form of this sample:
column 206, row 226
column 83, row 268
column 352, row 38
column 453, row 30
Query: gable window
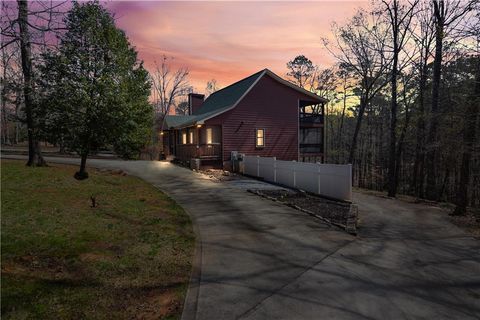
column 184, row 137
column 209, row 136
column 260, row 138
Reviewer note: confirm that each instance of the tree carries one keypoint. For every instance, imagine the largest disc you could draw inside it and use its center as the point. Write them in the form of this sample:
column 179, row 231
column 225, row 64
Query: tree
column 399, row 18
column 470, row 118
column 94, row 90
column 183, row 108
column 169, row 86
column 35, row 157
column 301, row 72
column 7, row 84
column 360, row 47
column 447, row 16
column 30, row 29
column 346, row 86
column 423, row 37
column 212, row 86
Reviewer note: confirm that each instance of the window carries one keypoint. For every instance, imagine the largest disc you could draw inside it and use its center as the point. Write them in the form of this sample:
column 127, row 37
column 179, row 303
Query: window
column 191, row 137
column 260, row 138
column 209, row 136
column 184, row 138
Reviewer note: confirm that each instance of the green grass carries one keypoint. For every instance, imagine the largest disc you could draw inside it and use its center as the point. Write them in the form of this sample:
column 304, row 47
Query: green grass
column 129, row 257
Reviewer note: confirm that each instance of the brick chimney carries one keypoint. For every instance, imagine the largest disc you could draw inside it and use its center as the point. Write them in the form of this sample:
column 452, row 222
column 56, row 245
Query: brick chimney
column 195, row 100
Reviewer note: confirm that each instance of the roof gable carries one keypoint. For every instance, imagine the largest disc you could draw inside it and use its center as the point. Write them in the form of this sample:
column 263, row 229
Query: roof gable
column 228, row 96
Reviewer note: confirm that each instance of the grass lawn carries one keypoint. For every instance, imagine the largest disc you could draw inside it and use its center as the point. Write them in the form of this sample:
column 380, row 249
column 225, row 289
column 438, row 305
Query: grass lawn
column 129, row 257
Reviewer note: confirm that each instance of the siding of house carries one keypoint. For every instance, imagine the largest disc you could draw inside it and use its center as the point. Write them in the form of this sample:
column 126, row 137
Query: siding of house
column 270, row 106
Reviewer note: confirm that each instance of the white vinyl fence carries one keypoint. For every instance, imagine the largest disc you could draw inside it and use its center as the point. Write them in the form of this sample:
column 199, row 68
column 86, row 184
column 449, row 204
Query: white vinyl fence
column 331, row 180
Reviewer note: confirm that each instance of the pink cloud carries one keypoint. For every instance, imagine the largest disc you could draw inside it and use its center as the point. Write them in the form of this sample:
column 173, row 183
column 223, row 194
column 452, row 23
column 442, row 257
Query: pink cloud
column 230, row 40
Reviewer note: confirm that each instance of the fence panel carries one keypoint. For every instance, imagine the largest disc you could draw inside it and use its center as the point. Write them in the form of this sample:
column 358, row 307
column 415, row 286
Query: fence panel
column 307, row 176
column 251, row 166
column 330, row 180
column 285, row 173
column 266, row 168
column 336, row 181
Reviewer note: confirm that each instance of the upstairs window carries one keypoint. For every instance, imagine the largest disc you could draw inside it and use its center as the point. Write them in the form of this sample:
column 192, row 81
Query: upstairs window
column 260, row 138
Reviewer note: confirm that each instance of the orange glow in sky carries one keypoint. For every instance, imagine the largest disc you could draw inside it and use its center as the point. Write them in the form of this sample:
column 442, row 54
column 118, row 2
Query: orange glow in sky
column 230, row 40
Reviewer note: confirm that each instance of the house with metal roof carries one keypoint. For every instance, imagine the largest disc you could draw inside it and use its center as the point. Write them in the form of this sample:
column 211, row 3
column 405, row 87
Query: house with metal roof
column 261, row 114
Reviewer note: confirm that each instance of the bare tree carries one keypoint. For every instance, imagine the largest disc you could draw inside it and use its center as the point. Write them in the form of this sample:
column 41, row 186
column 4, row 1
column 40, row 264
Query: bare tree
column 302, row 72
column 399, row 17
column 360, row 45
column 28, row 27
column 423, row 37
column 169, row 85
column 212, row 86
column 182, row 108
column 35, row 157
column 447, row 17
column 471, row 118
column 8, row 83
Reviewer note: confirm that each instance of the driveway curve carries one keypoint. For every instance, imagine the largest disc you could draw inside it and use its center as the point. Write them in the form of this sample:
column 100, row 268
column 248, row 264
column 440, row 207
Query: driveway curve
column 257, row 259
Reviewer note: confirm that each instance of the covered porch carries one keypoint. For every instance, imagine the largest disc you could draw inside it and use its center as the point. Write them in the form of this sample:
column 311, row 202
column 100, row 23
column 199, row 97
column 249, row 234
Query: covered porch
column 195, row 142
column 312, row 132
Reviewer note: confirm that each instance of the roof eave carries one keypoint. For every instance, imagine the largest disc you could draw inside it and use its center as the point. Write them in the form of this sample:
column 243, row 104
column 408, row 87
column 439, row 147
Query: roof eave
column 295, row 87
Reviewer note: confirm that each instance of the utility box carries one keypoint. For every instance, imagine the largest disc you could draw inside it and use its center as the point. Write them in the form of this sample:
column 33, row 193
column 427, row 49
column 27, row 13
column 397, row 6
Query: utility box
column 234, row 160
column 195, row 164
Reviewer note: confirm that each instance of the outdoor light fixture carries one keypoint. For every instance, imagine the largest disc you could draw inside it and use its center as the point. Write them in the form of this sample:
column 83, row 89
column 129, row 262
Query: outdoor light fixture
column 199, row 125
column 161, row 133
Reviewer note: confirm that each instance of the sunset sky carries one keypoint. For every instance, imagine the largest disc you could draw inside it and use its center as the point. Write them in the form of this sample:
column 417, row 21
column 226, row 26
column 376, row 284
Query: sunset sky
column 230, row 40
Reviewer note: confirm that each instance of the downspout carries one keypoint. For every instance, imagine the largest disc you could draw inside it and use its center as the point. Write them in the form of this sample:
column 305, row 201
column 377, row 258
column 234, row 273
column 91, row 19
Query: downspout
column 298, row 130
column 324, row 134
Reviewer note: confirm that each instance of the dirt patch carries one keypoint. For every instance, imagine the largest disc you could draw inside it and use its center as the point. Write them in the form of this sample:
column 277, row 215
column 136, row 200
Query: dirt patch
column 95, row 257
column 117, row 172
column 340, row 214
column 154, row 304
column 219, row 175
column 44, row 268
column 469, row 222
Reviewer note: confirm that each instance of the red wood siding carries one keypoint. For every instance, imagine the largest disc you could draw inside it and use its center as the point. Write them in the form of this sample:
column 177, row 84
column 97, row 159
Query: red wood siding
column 270, row 106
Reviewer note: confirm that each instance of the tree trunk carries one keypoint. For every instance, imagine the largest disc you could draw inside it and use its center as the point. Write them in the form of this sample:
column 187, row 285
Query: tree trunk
column 61, row 149
column 82, row 173
column 363, row 105
column 431, row 192
column 392, row 183
column 340, row 127
column 400, row 144
column 418, row 171
column 34, row 154
column 5, row 135
column 469, row 133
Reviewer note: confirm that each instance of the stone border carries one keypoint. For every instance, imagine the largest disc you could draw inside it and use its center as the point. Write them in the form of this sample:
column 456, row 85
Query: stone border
column 352, row 218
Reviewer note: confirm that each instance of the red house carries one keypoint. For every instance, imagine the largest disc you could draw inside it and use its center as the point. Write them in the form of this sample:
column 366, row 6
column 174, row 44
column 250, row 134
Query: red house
column 262, row 114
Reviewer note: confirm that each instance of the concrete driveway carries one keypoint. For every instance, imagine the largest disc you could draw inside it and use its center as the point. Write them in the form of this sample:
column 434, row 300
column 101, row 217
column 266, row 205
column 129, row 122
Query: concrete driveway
column 257, row 259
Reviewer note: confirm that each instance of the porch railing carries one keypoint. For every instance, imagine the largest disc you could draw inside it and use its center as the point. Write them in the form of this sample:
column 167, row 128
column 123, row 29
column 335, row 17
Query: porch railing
column 310, row 119
column 189, row 151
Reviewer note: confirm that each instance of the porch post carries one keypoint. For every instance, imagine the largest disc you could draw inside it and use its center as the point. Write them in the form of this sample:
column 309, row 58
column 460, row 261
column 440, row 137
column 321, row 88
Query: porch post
column 197, row 137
